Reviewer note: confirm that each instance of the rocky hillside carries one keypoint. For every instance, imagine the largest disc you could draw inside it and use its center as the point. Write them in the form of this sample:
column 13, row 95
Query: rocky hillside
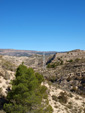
column 68, row 70
column 63, row 101
column 64, row 71
column 7, row 70
column 70, row 76
column 68, row 56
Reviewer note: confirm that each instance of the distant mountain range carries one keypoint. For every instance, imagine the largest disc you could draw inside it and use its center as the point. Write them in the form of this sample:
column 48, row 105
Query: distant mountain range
column 13, row 52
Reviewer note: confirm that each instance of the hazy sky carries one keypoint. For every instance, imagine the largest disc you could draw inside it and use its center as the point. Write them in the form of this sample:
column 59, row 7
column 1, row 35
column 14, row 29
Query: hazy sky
column 45, row 25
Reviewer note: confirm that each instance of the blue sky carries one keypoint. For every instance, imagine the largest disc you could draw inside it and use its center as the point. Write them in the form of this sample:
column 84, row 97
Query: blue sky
column 43, row 25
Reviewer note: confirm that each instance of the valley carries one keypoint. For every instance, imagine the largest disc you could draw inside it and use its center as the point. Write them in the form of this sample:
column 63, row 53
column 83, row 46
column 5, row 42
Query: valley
column 64, row 74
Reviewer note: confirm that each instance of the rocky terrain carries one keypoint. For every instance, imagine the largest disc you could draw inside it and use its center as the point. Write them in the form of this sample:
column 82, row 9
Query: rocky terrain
column 63, row 101
column 69, row 71
column 64, row 74
column 13, row 52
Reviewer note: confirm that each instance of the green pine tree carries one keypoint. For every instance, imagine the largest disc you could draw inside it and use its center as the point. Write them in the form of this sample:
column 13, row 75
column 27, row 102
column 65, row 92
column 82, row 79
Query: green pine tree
column 27, row 94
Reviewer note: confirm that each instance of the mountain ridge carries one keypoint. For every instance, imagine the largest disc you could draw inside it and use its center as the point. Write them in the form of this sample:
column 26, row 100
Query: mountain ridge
column 15, row 52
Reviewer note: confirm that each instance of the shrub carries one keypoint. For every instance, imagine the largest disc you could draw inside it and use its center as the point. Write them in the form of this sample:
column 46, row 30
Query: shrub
column 54, row 65
column 61, row 62
column 70, row 95
column 54, row 98
column 70, row 60
column 53, row 78
column 74, row 89
column 69, row 79
column 63, row 97
column 77, row 59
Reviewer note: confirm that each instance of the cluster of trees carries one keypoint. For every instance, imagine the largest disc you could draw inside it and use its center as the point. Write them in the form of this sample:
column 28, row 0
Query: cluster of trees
column 55, row 64
column 27, row 94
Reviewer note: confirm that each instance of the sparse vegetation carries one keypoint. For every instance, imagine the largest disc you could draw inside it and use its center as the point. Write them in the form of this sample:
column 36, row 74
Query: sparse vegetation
column 8, row 65
column 70, row 95
column 70, row 60
column 52, row 78
column 51, row 65
column 65, row 73
column 54, row 65
column 62, row 97
column 77, row 59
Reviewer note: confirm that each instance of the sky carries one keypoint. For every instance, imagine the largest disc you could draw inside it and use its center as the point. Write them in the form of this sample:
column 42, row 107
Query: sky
column 42, row 25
